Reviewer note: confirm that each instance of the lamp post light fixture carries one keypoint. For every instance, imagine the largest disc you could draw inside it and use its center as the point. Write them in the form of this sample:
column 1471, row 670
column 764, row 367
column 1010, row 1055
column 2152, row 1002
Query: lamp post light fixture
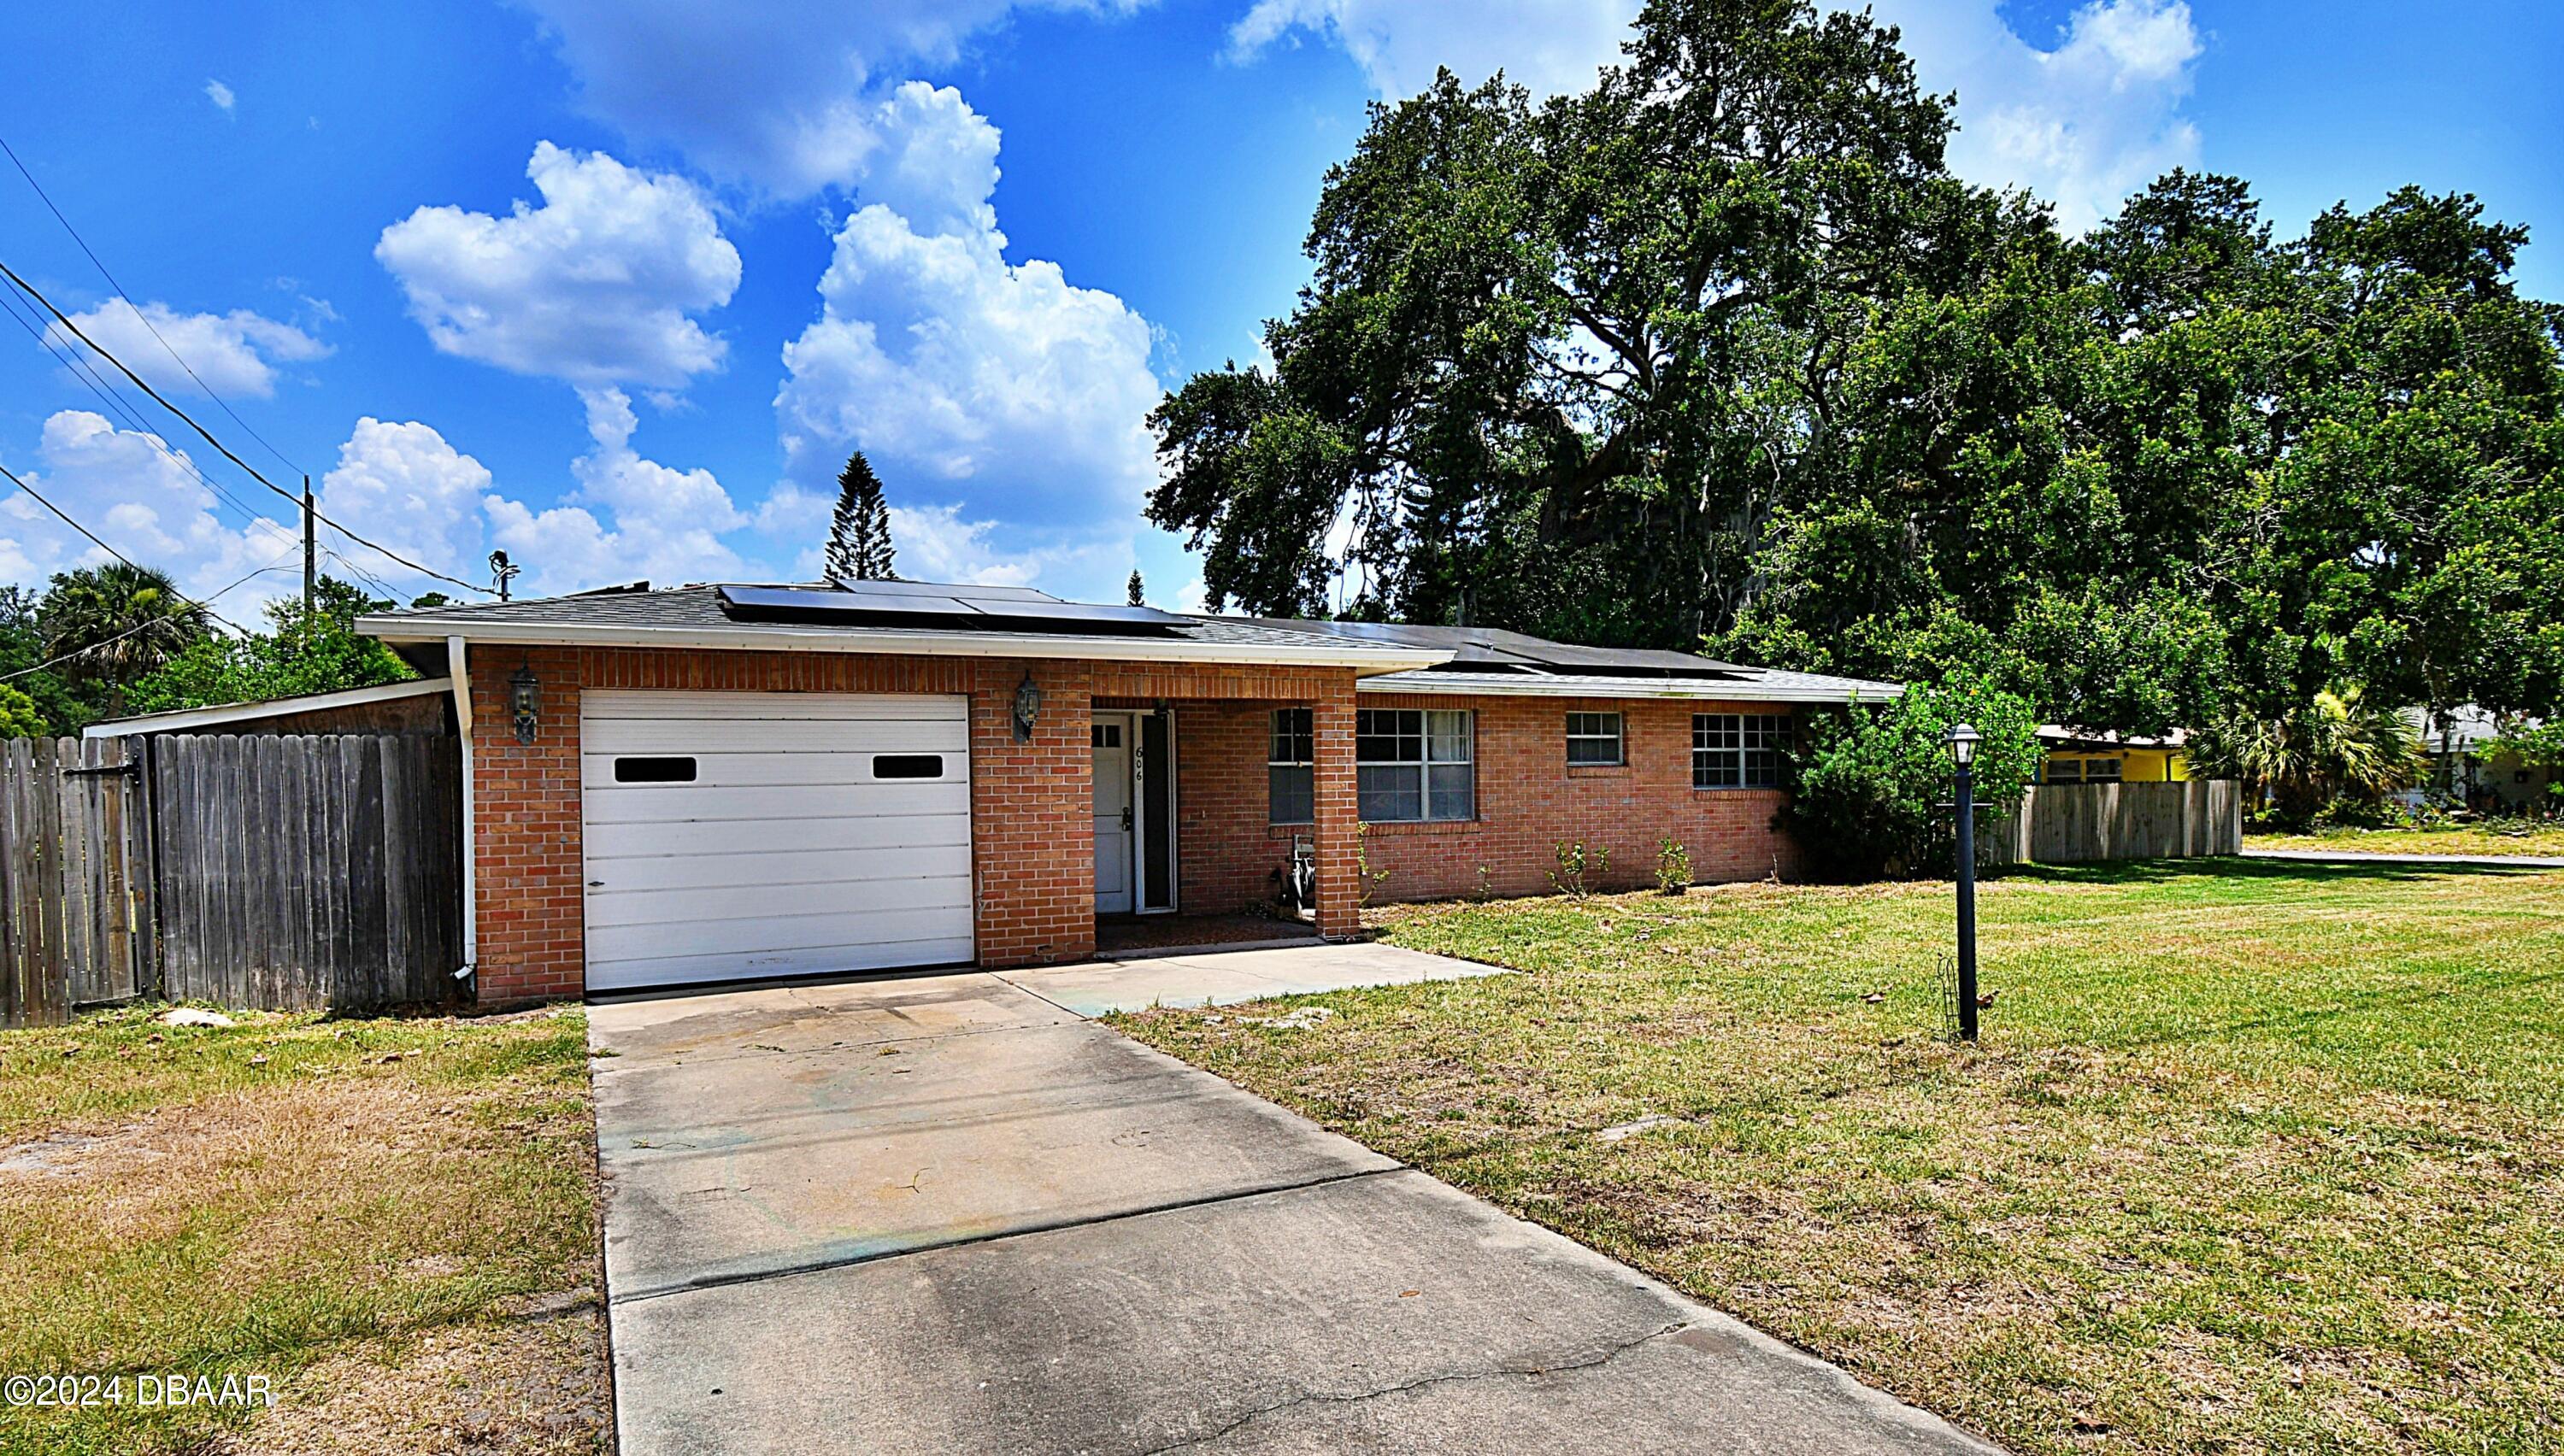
column 525, row 702
column 1028, row 700
column 1963, row 742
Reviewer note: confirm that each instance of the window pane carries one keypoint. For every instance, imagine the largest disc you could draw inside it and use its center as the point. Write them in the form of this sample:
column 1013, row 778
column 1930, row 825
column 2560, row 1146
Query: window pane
column 1291, row 736
column 1713, row 769
column 1294, row 793
column 1454, row 791
column 2064, row 770
column 1594, row 738
column 1450, row 736
column 1762, row 768
column 1389, row 793
column 2101, row 771
column 1389, row 735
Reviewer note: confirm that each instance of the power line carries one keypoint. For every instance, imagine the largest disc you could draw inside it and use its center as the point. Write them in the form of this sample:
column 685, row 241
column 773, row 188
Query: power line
column 113, row 552
column 81, row 370
column 136, row 307
column 225, row 450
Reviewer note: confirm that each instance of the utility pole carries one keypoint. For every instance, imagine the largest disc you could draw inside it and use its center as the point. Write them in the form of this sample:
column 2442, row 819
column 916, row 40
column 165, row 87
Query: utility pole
column 502, row 571
column 311, row 562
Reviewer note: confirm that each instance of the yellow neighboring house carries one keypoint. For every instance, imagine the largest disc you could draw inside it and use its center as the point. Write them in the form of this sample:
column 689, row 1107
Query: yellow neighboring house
column 2077, row 757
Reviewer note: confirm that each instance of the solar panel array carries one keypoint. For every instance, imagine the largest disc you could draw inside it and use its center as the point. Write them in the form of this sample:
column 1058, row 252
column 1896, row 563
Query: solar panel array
column 889, row 605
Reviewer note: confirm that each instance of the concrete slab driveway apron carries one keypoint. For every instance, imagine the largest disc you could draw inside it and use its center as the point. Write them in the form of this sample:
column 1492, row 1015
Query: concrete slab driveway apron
column 943, row 1214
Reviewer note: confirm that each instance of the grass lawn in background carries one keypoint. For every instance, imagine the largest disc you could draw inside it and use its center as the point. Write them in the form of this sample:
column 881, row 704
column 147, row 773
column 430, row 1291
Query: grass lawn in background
column 2253, row 1156
column 2518, row 838
column 394, row 1219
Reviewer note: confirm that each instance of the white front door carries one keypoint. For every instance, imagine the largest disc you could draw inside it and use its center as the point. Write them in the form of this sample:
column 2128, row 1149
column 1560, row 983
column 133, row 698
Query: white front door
column 1113, row 812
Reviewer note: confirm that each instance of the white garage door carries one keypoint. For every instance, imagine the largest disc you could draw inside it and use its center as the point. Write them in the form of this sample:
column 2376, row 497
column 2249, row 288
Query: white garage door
column 733, row 835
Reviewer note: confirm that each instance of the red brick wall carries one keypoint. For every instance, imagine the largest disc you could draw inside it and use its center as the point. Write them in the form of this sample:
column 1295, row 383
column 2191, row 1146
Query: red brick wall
column 1528, row 800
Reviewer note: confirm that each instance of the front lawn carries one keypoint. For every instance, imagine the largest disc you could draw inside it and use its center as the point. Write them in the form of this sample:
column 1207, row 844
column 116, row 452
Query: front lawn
column 391, row 1219
column 2519, row 838
column 2253, row 1156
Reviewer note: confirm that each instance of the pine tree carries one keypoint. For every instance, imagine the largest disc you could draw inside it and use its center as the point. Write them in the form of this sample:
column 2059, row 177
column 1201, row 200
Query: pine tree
column 859, row 547
column 1137, row 597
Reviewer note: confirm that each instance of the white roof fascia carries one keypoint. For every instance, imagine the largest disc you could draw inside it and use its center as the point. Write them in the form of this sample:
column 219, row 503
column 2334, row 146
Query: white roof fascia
column 920, row 644
column 189, row 718
column 1692, row 690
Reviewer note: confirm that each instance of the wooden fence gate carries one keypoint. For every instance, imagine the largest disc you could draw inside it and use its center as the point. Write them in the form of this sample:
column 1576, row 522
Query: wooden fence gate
column 285, row 871
column 74, row 881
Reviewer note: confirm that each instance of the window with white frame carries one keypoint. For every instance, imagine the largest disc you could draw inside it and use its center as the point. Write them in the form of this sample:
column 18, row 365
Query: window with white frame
column 1414, row 765
column 2101, row 771
column 1291, row 768
column 2063, row 771
column 1593, row 739
column 1737, row 750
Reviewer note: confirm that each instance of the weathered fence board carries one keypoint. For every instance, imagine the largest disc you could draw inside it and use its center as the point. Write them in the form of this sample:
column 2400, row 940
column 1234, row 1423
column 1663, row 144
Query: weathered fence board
column 309, row 872
column 75, row 911
column 2079, row 823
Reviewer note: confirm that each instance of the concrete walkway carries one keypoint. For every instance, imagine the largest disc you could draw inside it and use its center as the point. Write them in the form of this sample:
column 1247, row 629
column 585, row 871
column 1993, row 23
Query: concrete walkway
column 2366, row 857
column 947, row 1213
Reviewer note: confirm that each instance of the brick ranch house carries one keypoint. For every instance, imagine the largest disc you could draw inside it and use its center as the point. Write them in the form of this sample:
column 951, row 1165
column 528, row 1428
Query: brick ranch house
column 724, row 782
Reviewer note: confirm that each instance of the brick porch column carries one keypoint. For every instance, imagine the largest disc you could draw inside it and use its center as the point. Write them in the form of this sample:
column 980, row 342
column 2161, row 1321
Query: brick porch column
column 1331, row 718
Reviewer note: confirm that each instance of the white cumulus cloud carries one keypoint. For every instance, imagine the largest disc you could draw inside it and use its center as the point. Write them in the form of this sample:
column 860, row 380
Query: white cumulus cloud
column 219, row 93
column 404, row 486
column 140, row 494
column 784, row 97
column 593, row 287
column 1006, row 406
column 2082, row 125
column 235, row 354
column 628, row 518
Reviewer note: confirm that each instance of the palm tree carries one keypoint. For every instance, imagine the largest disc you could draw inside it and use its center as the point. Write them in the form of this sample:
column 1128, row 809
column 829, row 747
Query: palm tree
column 2337, row 747
column 115, row 623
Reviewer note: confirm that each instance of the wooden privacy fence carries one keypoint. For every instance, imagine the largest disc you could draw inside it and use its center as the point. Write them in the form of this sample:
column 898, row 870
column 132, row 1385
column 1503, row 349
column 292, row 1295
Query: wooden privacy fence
column 283, row 872
column 2077, row 823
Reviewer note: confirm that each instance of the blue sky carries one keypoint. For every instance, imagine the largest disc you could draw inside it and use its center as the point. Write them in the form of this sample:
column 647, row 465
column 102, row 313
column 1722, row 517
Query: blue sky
column 617, row 286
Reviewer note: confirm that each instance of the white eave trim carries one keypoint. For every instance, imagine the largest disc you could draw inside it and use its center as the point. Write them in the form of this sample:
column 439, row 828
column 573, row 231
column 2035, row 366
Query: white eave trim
column 181, row 720
column 1633, row 687
column 920, row 644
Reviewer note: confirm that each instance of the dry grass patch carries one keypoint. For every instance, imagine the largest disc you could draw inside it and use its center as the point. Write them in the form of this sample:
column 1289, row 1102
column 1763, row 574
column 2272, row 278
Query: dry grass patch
column 2539, row 840
column 356, row 1209
column 2254, row 1157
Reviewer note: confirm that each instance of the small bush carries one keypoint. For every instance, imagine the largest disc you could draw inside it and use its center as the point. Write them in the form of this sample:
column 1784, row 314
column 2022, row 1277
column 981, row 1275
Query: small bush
column 1674, row 867
column 1576, row 860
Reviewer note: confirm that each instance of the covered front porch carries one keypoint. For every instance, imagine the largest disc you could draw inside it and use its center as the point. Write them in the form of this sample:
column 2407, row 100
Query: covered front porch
column 1204, row 786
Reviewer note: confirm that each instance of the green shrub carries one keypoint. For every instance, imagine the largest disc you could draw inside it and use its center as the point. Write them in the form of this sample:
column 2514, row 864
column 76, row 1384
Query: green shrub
column 1673, row 866
column 1872, row 784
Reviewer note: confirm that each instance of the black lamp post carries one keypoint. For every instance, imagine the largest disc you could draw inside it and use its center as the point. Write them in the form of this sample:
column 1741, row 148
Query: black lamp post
column 1963, row 742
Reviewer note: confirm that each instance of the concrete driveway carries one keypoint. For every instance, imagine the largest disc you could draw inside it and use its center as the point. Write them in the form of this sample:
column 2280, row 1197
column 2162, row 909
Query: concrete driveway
column 948, row 1213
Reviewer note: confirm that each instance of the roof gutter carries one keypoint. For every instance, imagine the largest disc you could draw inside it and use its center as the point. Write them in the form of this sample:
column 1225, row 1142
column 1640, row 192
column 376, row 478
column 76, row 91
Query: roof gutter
column 920, row 644
column 1633, row 687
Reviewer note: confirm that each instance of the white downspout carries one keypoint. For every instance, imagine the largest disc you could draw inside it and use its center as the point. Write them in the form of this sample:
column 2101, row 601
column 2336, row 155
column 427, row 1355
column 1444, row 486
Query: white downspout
column 461, row 672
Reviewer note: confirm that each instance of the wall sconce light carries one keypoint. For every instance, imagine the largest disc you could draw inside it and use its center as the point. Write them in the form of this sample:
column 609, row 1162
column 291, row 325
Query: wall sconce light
column 525, row 702
column 1027, row 707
